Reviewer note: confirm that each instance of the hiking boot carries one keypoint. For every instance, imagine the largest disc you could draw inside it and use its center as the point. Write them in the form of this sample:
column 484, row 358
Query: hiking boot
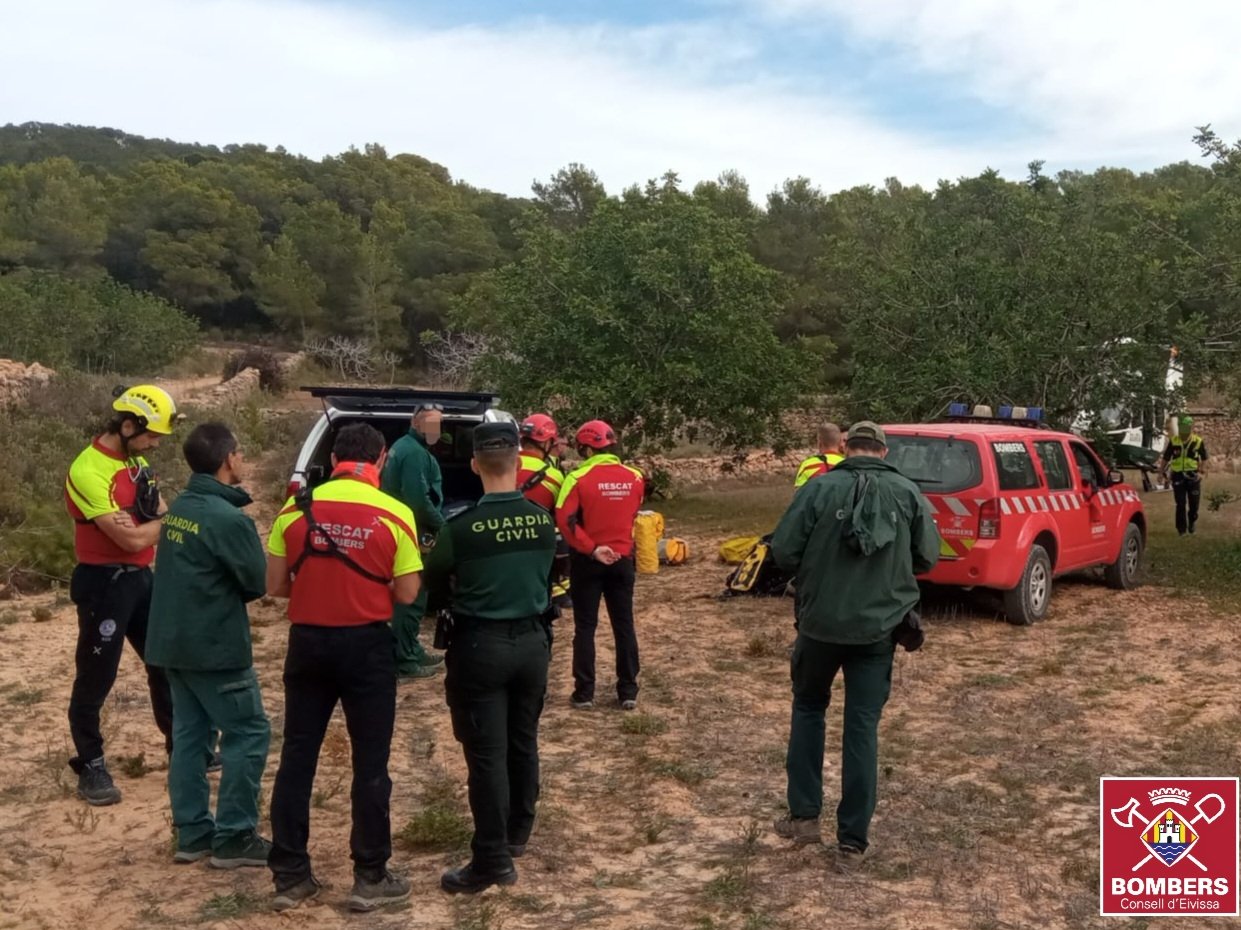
column 368, row 895
column 431, row 659
column 803, row 832
column 848, row 858
column 294, row 895
column 517, row 850
column 419, row 671
column 194, row 852
column 581, row 703
column 629, row 704
column 240, row 851
column 95, row 785
column 466, row 880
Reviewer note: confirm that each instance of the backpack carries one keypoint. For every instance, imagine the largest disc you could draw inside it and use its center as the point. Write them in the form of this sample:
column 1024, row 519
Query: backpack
column 758, row 575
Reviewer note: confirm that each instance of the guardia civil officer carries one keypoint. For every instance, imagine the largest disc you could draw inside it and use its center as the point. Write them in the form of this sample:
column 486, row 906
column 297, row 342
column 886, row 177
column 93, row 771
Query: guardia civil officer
column 595, row 512
column 412, row 475
column 490, row 565
column 112, row 497
column 855, row 538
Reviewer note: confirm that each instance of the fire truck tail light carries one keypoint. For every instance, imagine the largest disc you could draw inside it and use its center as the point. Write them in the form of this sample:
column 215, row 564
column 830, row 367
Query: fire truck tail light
column 989, row 520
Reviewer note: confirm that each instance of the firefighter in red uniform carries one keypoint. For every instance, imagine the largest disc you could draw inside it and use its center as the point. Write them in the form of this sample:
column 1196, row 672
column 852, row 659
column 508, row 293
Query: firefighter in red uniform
column 595, row 512
column 539, row 478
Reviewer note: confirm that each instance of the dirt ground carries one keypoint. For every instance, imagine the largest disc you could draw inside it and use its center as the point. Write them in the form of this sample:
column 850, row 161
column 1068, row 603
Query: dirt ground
column 992, row 746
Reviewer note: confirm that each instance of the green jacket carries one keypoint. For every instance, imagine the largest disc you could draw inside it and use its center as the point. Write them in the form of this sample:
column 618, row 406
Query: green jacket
column 412, row 475
column 209, row 565
column 855, row 538
column 494, row 560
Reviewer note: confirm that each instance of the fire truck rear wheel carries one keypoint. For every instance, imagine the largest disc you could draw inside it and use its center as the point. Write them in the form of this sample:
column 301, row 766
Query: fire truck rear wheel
column 1028, row 602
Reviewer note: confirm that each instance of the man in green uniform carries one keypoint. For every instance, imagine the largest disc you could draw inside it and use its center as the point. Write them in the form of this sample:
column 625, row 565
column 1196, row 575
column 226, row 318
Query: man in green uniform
column 855, row 538
column 491, row 565
column 1185, row 456
column 211, row 563
column 412, row 475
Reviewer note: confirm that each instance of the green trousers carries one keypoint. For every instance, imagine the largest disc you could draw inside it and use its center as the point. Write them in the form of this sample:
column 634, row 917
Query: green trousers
column 406, row 624
column 868, row 681
column 229, row 701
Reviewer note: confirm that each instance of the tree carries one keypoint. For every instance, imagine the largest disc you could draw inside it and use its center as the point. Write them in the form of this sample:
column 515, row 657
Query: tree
column 570, row 197
column 990, row 291
column 51, row 217
column 288, row 290
column 652, row 315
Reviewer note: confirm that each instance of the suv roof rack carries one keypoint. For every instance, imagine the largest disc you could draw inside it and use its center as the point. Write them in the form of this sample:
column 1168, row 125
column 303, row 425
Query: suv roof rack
column 402, row 399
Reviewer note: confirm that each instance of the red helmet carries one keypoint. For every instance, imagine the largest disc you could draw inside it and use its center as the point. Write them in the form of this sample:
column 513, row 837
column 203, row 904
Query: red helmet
column 596, row 435
column 539, row 427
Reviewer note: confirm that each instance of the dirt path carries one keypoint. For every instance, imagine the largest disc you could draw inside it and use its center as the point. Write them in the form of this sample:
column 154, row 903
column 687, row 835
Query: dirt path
column 994, row 736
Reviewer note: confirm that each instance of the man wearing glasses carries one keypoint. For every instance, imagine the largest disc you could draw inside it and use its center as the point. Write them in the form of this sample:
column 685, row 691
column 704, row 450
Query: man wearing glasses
column 412, row 475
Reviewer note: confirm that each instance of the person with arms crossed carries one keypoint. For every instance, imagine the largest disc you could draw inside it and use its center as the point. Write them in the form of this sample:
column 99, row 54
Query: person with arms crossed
column 112, row 496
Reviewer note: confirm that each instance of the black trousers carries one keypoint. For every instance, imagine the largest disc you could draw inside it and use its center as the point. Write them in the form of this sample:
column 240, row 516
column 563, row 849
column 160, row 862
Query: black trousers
column 495, row 682
column 357, row 667
column 1187, row 489
column 113, row 603
column 591, row 580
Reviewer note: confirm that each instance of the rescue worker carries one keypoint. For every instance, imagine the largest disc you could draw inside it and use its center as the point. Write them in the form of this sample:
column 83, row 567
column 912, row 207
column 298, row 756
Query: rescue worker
column 539, row 478
column 595, row 513
column 412, row 475
column 113, row 498
column 210, row 565
column 342, row 554
column 1185, row 456
column 830, row 454
column 855, row 582
column 490, row 565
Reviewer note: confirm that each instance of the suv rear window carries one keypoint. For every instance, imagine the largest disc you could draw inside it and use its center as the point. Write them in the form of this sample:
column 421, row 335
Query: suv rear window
column 938, row 465
column 1014, row 465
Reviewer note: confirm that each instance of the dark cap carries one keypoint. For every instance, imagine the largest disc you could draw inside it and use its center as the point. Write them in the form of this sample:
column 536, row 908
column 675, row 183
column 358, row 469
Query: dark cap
column 866, row 429
column 491, row 436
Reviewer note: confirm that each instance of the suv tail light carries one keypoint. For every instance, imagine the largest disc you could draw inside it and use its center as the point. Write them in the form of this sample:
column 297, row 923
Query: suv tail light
column 989, row 519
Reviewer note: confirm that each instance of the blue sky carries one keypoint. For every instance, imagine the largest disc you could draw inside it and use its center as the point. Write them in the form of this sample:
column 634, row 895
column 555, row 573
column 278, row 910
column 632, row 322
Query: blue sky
column 846, row 92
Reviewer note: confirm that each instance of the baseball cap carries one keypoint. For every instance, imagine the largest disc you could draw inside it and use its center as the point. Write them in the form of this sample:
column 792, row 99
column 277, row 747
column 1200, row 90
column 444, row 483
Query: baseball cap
column 867, row 429
column 501, row 435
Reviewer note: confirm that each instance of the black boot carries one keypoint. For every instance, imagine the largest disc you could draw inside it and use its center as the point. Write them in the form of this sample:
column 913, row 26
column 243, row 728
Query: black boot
column 95, row 785
column 467, row 880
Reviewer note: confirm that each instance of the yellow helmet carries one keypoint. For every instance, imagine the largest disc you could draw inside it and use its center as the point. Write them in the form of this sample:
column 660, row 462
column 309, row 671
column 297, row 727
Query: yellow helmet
column 153, row 406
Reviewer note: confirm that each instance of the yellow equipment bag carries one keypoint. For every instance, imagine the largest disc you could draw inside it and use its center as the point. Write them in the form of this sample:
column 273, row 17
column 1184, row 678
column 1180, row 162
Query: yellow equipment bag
column 673, row 551
column 648, row 529
column 733, row 551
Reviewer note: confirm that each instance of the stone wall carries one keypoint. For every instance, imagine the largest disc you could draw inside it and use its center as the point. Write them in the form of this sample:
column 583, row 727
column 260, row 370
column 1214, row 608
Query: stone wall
column 16, row 380
column 233, row 391
column 1223, row 438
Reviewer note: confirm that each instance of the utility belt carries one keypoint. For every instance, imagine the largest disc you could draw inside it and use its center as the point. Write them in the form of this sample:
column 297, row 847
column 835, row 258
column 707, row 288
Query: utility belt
column 449, row 624
column 115, row 569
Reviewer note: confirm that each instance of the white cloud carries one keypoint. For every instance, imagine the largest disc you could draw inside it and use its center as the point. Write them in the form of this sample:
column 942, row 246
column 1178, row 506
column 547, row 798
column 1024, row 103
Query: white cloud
column 497, row 107
column 1104, row 79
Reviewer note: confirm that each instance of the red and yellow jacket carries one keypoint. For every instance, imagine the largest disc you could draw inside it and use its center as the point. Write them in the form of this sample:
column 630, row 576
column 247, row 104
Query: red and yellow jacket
column 816, row 465
column 100, row 483
column 547, row 489
column 598, row 503
column 372, row 528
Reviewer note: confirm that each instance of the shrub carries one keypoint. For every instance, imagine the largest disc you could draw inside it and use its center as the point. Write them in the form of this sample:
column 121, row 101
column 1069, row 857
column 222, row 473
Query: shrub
column 271, row 374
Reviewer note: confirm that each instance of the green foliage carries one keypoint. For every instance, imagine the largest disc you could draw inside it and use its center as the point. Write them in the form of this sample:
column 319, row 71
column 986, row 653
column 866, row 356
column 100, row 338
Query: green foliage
column 652, row 314
column 89, row 325
column 438, row 827
column 264, row 361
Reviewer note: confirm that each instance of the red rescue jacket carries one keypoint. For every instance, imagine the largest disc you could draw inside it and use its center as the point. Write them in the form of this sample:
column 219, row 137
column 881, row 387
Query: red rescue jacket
column 598, row 503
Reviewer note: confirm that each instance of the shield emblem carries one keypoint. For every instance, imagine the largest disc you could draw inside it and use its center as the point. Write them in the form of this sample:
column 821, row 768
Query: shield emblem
column 1169, row 837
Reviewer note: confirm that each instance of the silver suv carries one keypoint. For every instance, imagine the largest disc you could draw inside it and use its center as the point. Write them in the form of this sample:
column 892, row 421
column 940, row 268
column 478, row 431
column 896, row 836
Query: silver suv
column 389, row 411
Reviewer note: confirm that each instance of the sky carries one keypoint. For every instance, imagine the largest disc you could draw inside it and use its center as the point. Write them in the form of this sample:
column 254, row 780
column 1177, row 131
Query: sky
column 504, row 92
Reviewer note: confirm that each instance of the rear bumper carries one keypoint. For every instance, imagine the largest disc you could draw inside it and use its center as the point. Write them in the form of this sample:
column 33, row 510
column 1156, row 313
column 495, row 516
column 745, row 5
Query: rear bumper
column 981, row 567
